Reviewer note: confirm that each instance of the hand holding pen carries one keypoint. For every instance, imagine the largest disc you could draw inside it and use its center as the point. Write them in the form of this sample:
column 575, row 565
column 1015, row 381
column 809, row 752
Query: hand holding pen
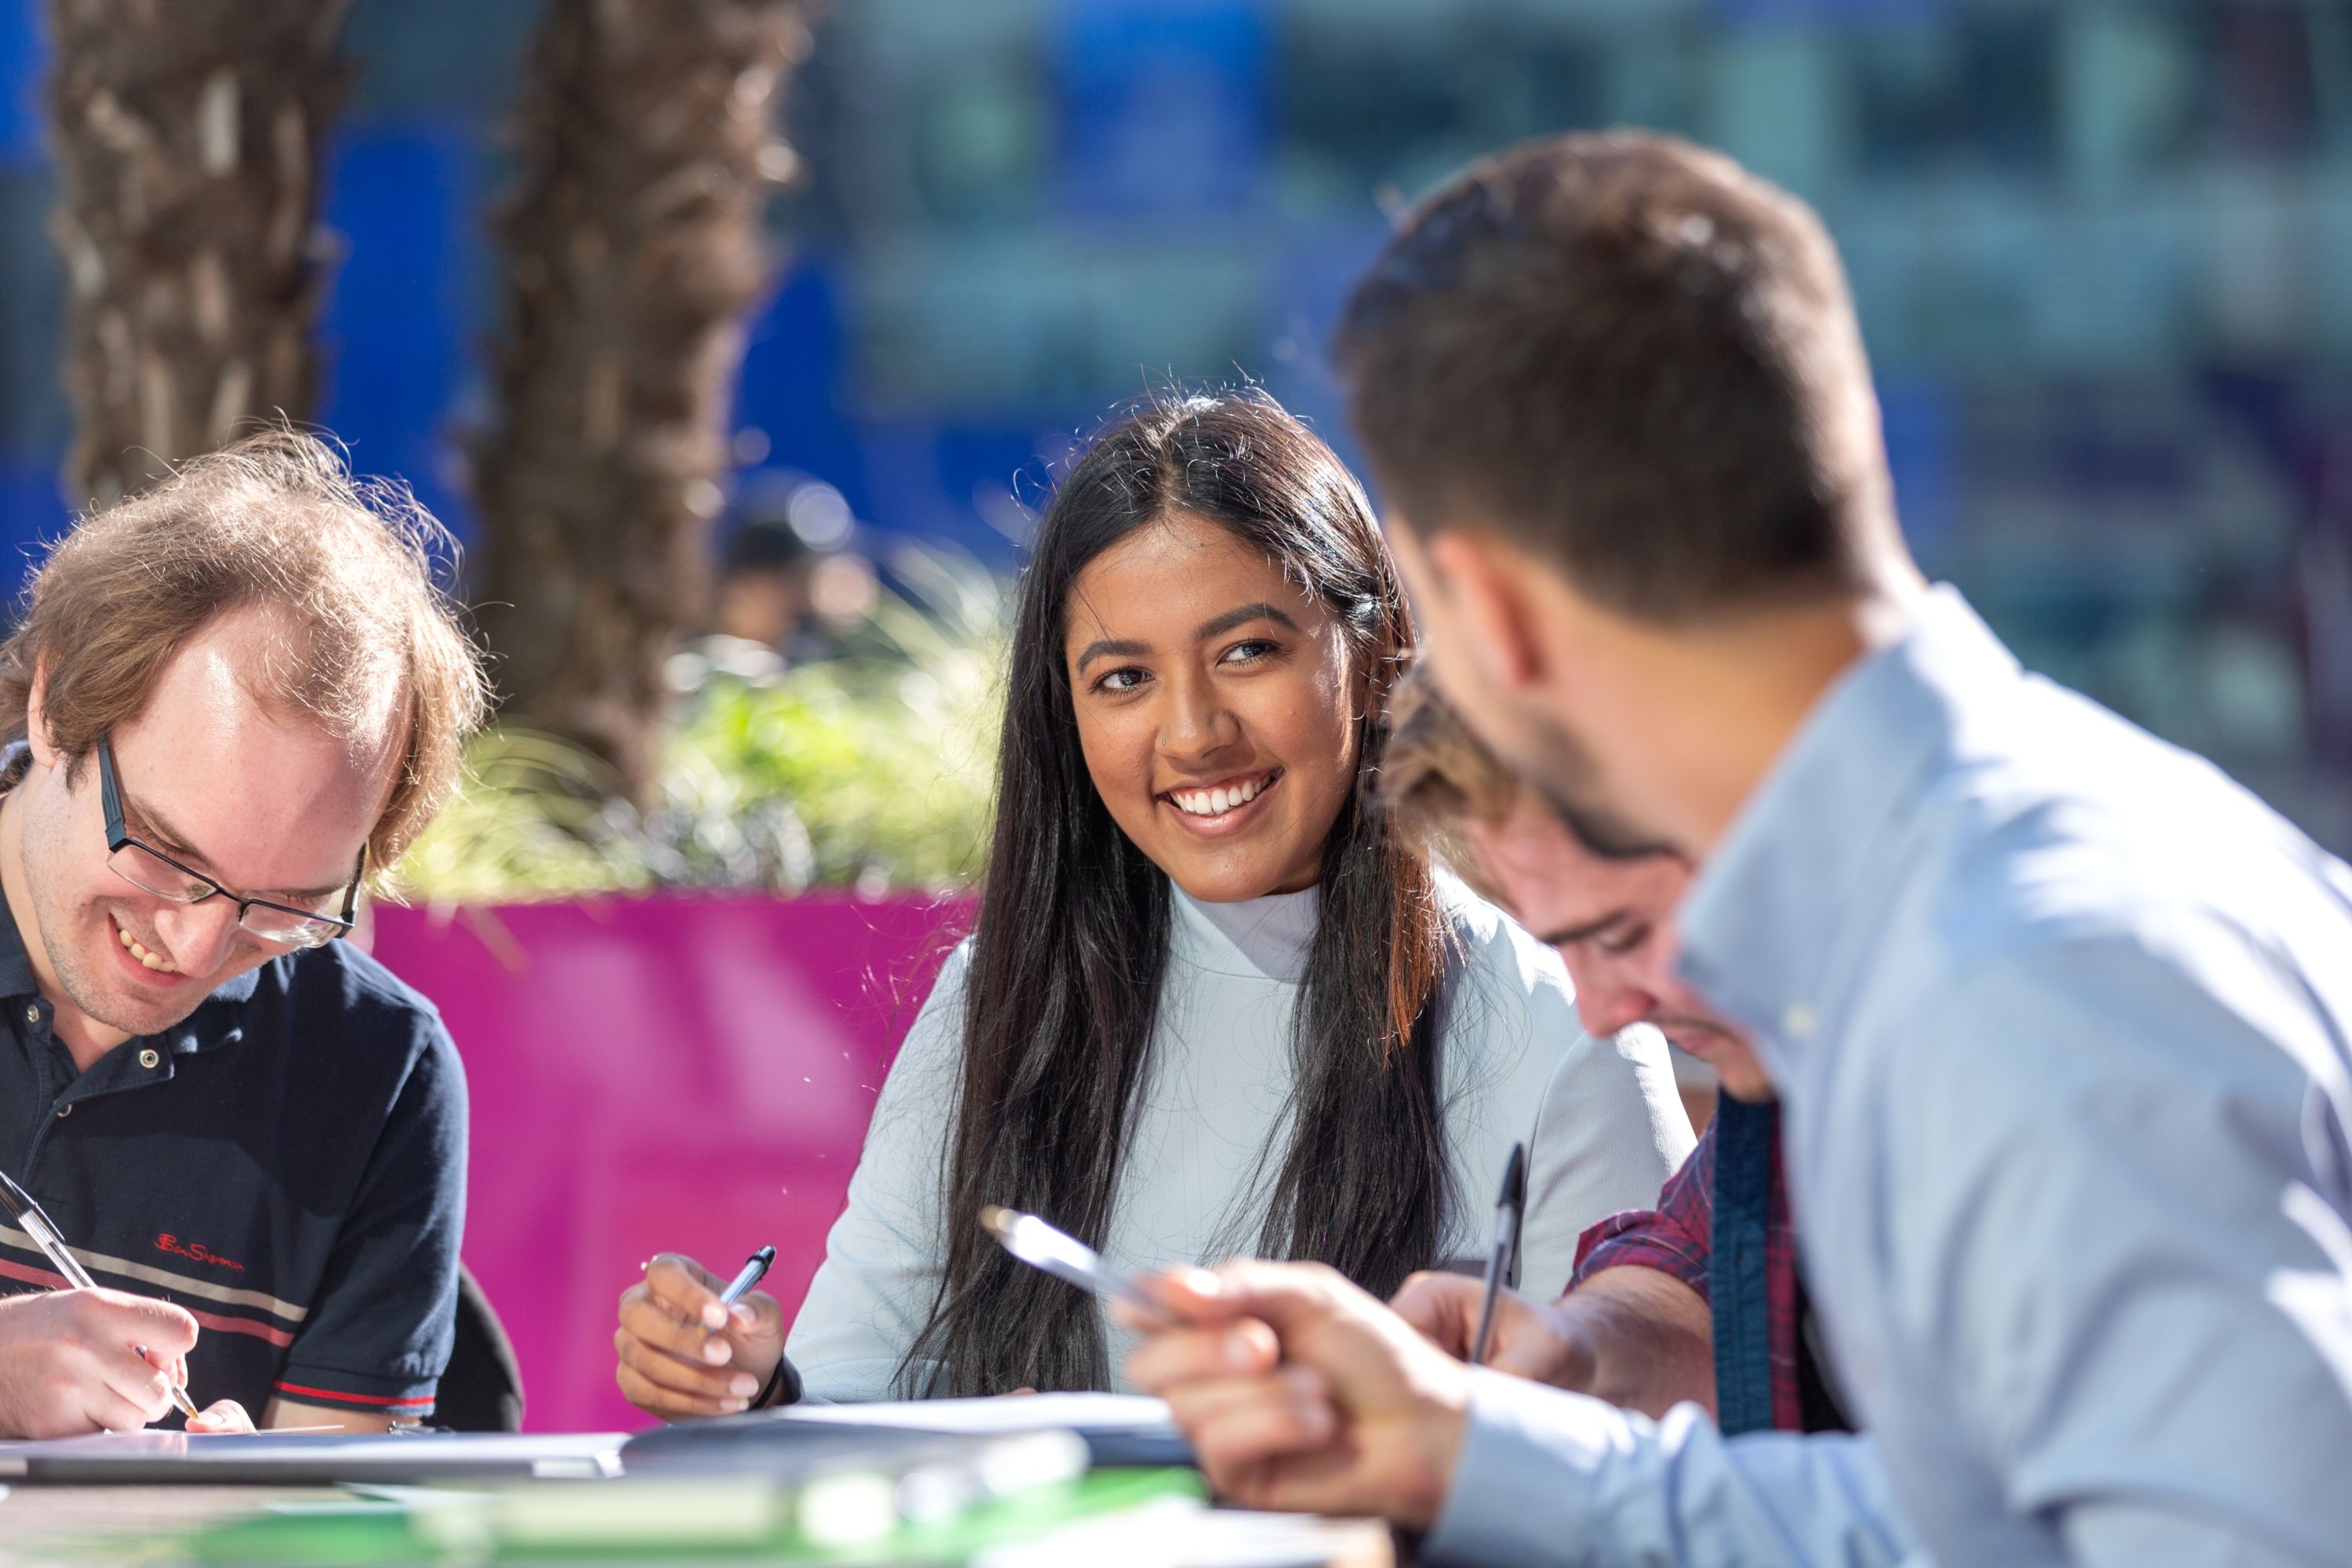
column 84, row 1359
column 1484, row 1321
column 1066, row 1258
column 690, row 1344
column 1297, row 1390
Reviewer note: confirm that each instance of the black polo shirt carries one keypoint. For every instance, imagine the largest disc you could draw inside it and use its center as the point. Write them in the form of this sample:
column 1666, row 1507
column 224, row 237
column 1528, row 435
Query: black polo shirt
column 288, row 1164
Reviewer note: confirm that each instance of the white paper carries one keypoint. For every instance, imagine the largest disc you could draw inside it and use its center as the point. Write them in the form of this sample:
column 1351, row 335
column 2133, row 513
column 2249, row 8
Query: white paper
column 1014, row 1413
column 1184, row 1533
column 560, row 1454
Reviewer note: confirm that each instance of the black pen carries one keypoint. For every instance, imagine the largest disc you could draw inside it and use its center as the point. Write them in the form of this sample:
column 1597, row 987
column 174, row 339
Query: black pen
column 754, row 1267
column 1509, row 1205
column 36, row 1224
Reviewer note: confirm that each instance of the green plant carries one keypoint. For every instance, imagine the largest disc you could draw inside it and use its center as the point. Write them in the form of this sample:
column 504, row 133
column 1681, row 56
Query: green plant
column 869, row 770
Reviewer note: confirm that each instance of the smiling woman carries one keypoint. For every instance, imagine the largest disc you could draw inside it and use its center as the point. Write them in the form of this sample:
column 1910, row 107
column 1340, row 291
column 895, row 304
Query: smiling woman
column 1220, row 724
column 1212, row 1004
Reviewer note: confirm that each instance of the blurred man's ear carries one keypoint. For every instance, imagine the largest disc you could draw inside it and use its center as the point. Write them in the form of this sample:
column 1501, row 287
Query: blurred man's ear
column 1488, row 586
column 37, row 717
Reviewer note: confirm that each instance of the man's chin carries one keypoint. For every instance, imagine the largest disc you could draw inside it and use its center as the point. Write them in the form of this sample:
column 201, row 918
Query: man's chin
column 1705, row 1041
column 121, row 1004
column 134, row 1016
column 1732, row 1058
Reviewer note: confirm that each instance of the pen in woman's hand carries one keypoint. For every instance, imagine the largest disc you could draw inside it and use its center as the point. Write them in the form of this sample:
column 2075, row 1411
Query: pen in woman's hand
column 754, row 1270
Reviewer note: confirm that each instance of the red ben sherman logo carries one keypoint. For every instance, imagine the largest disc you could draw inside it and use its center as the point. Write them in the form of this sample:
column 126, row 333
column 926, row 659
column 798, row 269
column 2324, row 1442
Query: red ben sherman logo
column 196, row 1250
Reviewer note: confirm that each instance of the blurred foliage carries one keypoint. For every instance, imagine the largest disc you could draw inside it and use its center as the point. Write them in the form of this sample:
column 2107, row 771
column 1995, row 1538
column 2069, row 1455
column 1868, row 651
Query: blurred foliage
column 869, row 768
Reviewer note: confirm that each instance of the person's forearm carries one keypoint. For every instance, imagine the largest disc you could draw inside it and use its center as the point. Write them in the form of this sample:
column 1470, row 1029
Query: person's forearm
column 293, row 1412
column 1649, row 1338
column 1547, row 1479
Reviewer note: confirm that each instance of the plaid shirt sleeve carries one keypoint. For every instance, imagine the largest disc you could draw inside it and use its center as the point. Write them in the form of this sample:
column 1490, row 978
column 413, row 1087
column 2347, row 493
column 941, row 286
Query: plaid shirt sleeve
column 1673, row 1238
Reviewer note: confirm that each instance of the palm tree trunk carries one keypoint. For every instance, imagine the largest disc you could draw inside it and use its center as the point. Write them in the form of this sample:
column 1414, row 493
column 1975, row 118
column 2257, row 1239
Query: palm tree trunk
column 633, row 251
column 188, row 136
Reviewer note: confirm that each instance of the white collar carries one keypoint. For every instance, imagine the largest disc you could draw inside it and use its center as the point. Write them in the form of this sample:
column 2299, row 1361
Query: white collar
column 1256, row 939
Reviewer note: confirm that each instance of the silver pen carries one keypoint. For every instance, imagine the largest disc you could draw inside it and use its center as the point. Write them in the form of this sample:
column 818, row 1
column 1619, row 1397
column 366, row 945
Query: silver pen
column 1065, row 1256
column 754, row 1270
column 36, row 1223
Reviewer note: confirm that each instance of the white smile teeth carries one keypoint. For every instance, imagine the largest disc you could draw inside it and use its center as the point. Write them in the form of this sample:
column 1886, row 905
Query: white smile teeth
column 151, row 961
column 1217, row 802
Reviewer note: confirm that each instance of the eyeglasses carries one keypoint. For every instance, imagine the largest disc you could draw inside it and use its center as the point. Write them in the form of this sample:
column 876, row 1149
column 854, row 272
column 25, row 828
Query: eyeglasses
column 151, row 870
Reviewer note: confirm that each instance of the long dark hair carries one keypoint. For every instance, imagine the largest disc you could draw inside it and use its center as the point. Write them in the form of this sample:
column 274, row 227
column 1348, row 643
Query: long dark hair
column 1071, row 948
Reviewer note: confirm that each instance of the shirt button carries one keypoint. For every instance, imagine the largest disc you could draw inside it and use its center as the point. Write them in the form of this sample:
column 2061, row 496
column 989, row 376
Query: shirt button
column 33, row 1013
column 147, row 1058
column 1798, row 1021
column 64, row 1111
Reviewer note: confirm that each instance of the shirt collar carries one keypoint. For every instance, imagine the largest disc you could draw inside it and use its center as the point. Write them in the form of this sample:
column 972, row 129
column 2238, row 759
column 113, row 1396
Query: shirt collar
column 16, row 976
column 1757, row 925
column 1266, row 938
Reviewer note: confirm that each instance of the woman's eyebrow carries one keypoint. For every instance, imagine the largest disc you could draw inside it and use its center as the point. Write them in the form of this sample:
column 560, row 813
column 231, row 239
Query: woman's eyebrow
column 1111, row 648
column 1242, row 616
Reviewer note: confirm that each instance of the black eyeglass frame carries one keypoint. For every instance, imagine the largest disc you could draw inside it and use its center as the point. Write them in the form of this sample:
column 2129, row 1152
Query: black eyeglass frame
column 119, row 838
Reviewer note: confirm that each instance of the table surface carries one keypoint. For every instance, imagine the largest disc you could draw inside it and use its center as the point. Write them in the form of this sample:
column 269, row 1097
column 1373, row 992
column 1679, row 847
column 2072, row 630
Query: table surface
column 105, row 1526
column 45, row 1524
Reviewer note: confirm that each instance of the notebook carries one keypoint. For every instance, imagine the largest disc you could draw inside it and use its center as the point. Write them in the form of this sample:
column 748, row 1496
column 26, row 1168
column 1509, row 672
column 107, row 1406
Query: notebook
column 1119, row 1430
column 261, row 1458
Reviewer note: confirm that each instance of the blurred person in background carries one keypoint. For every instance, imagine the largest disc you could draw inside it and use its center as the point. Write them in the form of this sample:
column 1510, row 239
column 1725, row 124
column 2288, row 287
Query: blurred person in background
column 763, row 582
column 1211, row 1002
column 789, row 591
column 232, row 699
column 2058, row 1013
column 1667, row 1304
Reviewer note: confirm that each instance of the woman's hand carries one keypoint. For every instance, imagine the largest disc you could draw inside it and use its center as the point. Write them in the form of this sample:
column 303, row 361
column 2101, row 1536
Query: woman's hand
column 682, row 1354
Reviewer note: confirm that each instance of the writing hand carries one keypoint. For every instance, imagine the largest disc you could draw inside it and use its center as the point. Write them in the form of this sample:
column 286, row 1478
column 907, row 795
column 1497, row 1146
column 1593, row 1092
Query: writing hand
column 71, row 1363
column 1529, row 1339
column 1300, row 1392
column 669, row 1367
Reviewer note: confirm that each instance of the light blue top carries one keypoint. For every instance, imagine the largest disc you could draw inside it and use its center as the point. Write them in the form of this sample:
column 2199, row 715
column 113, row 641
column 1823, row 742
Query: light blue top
column 1602, row 1127
column 2059, row 1014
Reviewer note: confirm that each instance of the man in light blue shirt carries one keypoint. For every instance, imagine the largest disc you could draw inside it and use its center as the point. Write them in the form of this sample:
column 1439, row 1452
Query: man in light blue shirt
column 2058, row 1013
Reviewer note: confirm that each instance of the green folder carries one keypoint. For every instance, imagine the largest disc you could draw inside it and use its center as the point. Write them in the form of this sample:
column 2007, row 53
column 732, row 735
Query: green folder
column 738, row 1519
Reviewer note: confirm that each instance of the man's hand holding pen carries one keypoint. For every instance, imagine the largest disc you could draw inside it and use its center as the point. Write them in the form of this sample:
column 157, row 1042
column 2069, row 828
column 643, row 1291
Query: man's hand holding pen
column 1534, row 1340
column 70, row 1361
column 1300, row 1392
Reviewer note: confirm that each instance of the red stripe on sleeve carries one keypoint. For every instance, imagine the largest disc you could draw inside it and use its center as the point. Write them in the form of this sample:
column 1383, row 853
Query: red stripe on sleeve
column 381, row 1402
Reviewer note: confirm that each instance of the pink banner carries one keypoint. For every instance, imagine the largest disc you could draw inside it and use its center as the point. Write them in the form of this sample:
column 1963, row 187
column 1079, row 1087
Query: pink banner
column 689, row 1072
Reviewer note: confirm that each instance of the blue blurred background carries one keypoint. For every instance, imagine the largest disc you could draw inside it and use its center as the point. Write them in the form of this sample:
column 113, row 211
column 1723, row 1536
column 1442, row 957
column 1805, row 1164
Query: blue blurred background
column 2103, row 250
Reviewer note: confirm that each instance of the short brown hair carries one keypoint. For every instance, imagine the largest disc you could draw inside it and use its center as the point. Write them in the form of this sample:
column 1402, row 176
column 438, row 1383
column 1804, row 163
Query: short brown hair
column 1436, row 777
column 1631, row 355
column 275, row 522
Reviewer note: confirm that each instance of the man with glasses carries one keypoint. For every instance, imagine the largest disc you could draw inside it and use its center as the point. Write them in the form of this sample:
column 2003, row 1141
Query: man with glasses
column 302, row 923
column 230, row 697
